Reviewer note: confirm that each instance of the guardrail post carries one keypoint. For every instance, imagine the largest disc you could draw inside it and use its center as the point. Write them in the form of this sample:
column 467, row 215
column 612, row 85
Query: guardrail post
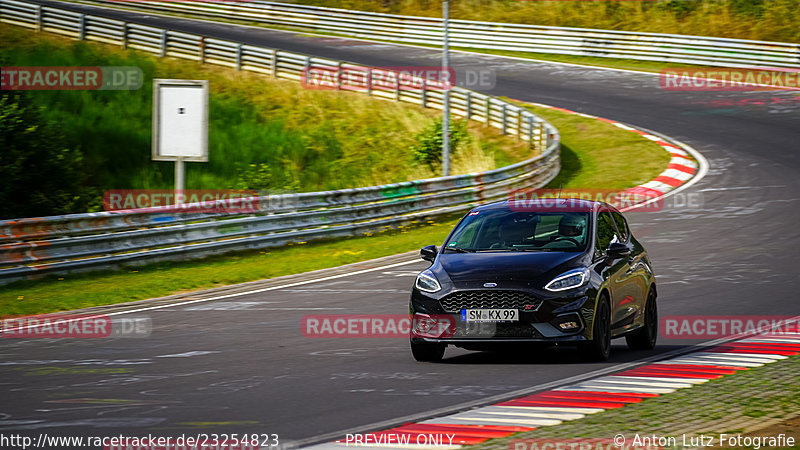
column 368, row 82
column 488, row 111
column 239, row 56
column 540, row 136
column 545, row 137
column 202, row 50
column 519, row 124
column 274, row 68
column 468, row 108
column 505, row 118
column 82, row 27
column 125, row 35
column 38, row 17
column 397, row 87
column 531, row 142
column 305, row 74
column 164, row 43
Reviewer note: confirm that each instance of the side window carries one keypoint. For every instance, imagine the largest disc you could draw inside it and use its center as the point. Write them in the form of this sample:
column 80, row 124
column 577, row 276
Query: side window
column 465, row 236
column 622, row 226
column 606, row 232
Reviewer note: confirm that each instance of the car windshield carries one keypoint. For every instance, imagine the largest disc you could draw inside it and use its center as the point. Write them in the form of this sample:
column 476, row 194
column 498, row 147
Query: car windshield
column 503, row 230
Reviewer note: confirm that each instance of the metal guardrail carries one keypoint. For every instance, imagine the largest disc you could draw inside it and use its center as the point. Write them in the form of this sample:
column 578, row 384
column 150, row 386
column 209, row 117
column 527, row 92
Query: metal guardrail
column 66, row 243
column 703, row 50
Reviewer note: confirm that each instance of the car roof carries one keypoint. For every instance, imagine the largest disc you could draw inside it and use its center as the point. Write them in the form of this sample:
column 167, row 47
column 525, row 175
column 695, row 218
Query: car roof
column 575, row 205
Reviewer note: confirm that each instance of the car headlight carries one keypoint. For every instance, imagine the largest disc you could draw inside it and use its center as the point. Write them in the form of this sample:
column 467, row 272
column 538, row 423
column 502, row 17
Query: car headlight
column 568, row 280
column 427, row 282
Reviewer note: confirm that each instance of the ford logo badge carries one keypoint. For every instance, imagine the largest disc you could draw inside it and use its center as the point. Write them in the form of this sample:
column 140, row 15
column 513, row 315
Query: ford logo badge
column 489, row 284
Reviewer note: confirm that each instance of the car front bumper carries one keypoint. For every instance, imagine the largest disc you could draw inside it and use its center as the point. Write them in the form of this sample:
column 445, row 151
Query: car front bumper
column 550, row 318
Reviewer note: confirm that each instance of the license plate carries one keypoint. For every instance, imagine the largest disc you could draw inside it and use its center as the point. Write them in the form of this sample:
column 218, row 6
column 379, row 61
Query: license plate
column 490, row 315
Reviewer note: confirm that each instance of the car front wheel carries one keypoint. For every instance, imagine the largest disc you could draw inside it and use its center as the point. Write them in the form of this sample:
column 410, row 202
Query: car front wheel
column 645, row 337
column 599, row 348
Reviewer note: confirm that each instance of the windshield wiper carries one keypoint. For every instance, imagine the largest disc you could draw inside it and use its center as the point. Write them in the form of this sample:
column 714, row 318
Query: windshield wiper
column 459, row 250
column 516, row 249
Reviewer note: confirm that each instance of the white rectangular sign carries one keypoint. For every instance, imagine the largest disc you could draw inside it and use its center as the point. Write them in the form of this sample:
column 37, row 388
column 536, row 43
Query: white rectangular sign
column 180, row 120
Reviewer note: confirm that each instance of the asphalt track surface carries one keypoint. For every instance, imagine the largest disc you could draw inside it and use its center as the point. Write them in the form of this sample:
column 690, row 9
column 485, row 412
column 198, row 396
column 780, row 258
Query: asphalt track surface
column 240, row 364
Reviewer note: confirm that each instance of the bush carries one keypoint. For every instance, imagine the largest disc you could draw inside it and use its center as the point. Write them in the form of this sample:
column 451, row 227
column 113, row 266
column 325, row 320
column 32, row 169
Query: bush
column 428, row 149
column 40, row 176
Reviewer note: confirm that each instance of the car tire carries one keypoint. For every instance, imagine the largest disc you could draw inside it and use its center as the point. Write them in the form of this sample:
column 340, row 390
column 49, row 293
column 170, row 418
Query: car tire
column 427, row 352
column 599, row 348
column 645, row 337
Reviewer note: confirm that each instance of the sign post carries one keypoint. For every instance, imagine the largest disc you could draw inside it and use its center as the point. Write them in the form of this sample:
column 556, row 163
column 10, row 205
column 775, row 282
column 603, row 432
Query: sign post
column 446, row 93
column 180, row 125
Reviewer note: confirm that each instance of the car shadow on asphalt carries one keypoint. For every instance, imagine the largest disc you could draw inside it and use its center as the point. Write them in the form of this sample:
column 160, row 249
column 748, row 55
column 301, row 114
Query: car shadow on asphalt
column 552, row 355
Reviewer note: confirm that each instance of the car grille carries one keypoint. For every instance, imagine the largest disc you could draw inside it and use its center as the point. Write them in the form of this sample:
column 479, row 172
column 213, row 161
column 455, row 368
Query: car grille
column 496, row 330
column 457, row 301
column 516, row 329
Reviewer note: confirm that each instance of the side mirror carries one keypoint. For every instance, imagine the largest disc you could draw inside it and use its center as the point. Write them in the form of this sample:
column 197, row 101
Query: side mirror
column 618, row 250
column 428, row 253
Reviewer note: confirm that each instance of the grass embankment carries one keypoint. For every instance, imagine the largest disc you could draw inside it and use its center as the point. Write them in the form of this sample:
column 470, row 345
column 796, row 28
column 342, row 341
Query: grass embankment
column 591, row 153
column 264, row 134
column 590, row 159
column 769, row 20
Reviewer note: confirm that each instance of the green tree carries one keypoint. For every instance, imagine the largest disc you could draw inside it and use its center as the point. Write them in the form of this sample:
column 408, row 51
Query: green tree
column 40, row 176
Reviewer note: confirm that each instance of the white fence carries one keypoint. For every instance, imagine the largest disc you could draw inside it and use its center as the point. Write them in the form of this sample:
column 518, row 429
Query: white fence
column 702, row 50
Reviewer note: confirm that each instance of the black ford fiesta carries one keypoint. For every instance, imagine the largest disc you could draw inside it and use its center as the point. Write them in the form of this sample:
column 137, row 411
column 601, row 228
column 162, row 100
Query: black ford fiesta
column 569, row 272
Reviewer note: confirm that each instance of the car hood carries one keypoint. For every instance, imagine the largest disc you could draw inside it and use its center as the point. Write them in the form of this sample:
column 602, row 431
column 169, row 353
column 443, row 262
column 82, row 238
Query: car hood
column 505, row 266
